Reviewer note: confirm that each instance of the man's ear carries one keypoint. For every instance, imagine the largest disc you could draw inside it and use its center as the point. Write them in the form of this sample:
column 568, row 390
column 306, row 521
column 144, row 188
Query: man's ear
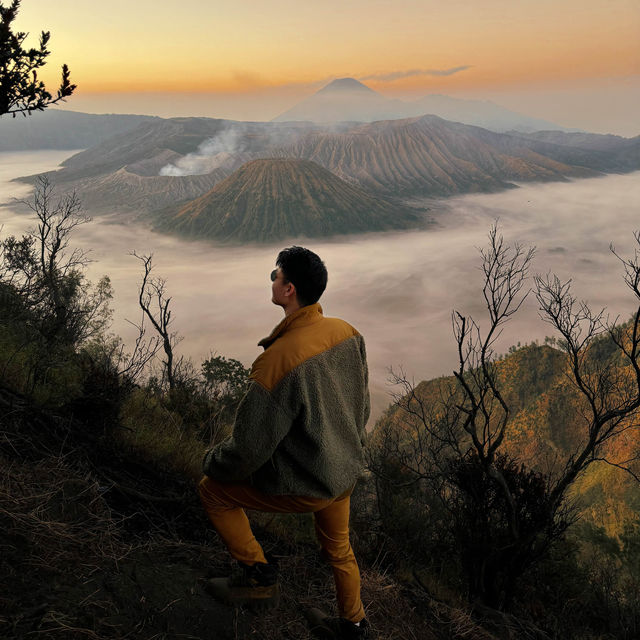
column 291, row 290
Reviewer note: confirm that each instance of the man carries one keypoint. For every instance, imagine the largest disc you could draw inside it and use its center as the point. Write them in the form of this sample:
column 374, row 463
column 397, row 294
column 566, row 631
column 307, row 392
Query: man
column 296, row 445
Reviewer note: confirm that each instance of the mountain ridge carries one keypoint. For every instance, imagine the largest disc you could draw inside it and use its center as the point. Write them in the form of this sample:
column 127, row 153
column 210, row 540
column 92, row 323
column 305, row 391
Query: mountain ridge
column 59, row 129
column 347, row 84
column 165, row 163
column 427, row 156
column 347, row 99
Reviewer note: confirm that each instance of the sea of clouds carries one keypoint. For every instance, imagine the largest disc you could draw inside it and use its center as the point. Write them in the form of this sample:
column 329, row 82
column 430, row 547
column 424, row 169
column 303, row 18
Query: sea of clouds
column 398, row 289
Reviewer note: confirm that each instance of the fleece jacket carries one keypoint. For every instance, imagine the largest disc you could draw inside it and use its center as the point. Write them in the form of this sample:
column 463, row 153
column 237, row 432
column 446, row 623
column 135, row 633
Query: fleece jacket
column 299, row 428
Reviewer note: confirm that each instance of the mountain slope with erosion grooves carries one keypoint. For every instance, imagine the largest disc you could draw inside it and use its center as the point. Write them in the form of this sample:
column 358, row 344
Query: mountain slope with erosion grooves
column 417, row 157
column 269, row 199
column 607, row 153
column 426, row 156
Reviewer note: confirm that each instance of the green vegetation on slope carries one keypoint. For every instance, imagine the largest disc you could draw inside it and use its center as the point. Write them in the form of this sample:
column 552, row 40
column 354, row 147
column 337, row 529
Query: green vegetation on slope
column 545, row 428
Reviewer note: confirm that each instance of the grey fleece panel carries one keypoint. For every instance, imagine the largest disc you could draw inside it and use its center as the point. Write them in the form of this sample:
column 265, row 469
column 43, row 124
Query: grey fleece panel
column 321, row 455
column 367, row 405
column 305, row 437
column 260, row 424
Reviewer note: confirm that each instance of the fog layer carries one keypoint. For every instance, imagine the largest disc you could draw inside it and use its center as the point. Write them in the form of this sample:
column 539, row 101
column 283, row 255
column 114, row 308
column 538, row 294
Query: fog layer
column 398, row 289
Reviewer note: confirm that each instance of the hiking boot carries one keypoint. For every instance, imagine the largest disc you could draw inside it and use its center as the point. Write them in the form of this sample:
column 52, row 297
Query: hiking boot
column 254, row 586
column 337, row 628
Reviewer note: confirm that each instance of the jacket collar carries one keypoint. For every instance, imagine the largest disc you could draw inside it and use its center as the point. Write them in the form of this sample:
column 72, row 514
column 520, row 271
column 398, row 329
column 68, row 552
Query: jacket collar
column 303, row 317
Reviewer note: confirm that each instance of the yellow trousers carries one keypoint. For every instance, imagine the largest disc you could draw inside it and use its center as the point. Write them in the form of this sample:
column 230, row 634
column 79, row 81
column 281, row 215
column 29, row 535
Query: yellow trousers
column 225, row 504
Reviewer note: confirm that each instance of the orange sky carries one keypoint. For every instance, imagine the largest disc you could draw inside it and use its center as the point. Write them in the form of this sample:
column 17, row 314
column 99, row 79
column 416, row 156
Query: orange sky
column 286, row 48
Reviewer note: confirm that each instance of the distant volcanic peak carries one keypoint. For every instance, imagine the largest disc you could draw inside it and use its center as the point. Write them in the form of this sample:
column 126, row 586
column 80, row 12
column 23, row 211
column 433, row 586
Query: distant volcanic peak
column 347, row 85
column 274, row 198
column 344, row 100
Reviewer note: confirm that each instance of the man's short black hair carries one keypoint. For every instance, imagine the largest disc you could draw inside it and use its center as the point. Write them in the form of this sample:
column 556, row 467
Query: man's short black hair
column 306, row 271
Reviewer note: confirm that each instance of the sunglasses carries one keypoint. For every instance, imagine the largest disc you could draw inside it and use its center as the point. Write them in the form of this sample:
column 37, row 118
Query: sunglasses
column 274, row 276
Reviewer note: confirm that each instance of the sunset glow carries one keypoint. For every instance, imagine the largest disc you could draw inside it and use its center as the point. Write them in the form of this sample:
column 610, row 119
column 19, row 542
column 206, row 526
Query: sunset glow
column 410, row 47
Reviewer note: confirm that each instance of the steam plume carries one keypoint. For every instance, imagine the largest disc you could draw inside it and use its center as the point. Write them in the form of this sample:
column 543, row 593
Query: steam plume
column 211, row 154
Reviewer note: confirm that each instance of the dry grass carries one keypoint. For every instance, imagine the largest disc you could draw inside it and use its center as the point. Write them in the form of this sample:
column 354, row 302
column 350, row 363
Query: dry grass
column 307, row 582
column 103, row 547
column 73, row 568
column 57, row 532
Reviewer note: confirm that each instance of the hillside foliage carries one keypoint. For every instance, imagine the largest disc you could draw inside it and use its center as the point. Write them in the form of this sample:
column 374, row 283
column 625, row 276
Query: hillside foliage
column 495, row 465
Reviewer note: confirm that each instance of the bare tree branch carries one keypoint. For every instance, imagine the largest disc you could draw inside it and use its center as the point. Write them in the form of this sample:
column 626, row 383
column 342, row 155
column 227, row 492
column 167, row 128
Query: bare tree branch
column 154, row 303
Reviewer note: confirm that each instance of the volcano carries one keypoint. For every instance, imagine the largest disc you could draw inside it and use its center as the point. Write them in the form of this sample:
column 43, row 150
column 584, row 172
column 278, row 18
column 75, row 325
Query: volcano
column 344, row 99
column 271, row 199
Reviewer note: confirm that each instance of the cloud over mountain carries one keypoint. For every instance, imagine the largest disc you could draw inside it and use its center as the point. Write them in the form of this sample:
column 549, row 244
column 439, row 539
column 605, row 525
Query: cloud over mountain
column 397, row 75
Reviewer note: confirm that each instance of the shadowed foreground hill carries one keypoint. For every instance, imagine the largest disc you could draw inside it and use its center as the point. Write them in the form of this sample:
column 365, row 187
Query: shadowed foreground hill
column 98, row 543
column 271, row 199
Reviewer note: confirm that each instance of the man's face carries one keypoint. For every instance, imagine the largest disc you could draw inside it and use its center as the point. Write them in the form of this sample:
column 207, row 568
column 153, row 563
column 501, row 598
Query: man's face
column 280, row 288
